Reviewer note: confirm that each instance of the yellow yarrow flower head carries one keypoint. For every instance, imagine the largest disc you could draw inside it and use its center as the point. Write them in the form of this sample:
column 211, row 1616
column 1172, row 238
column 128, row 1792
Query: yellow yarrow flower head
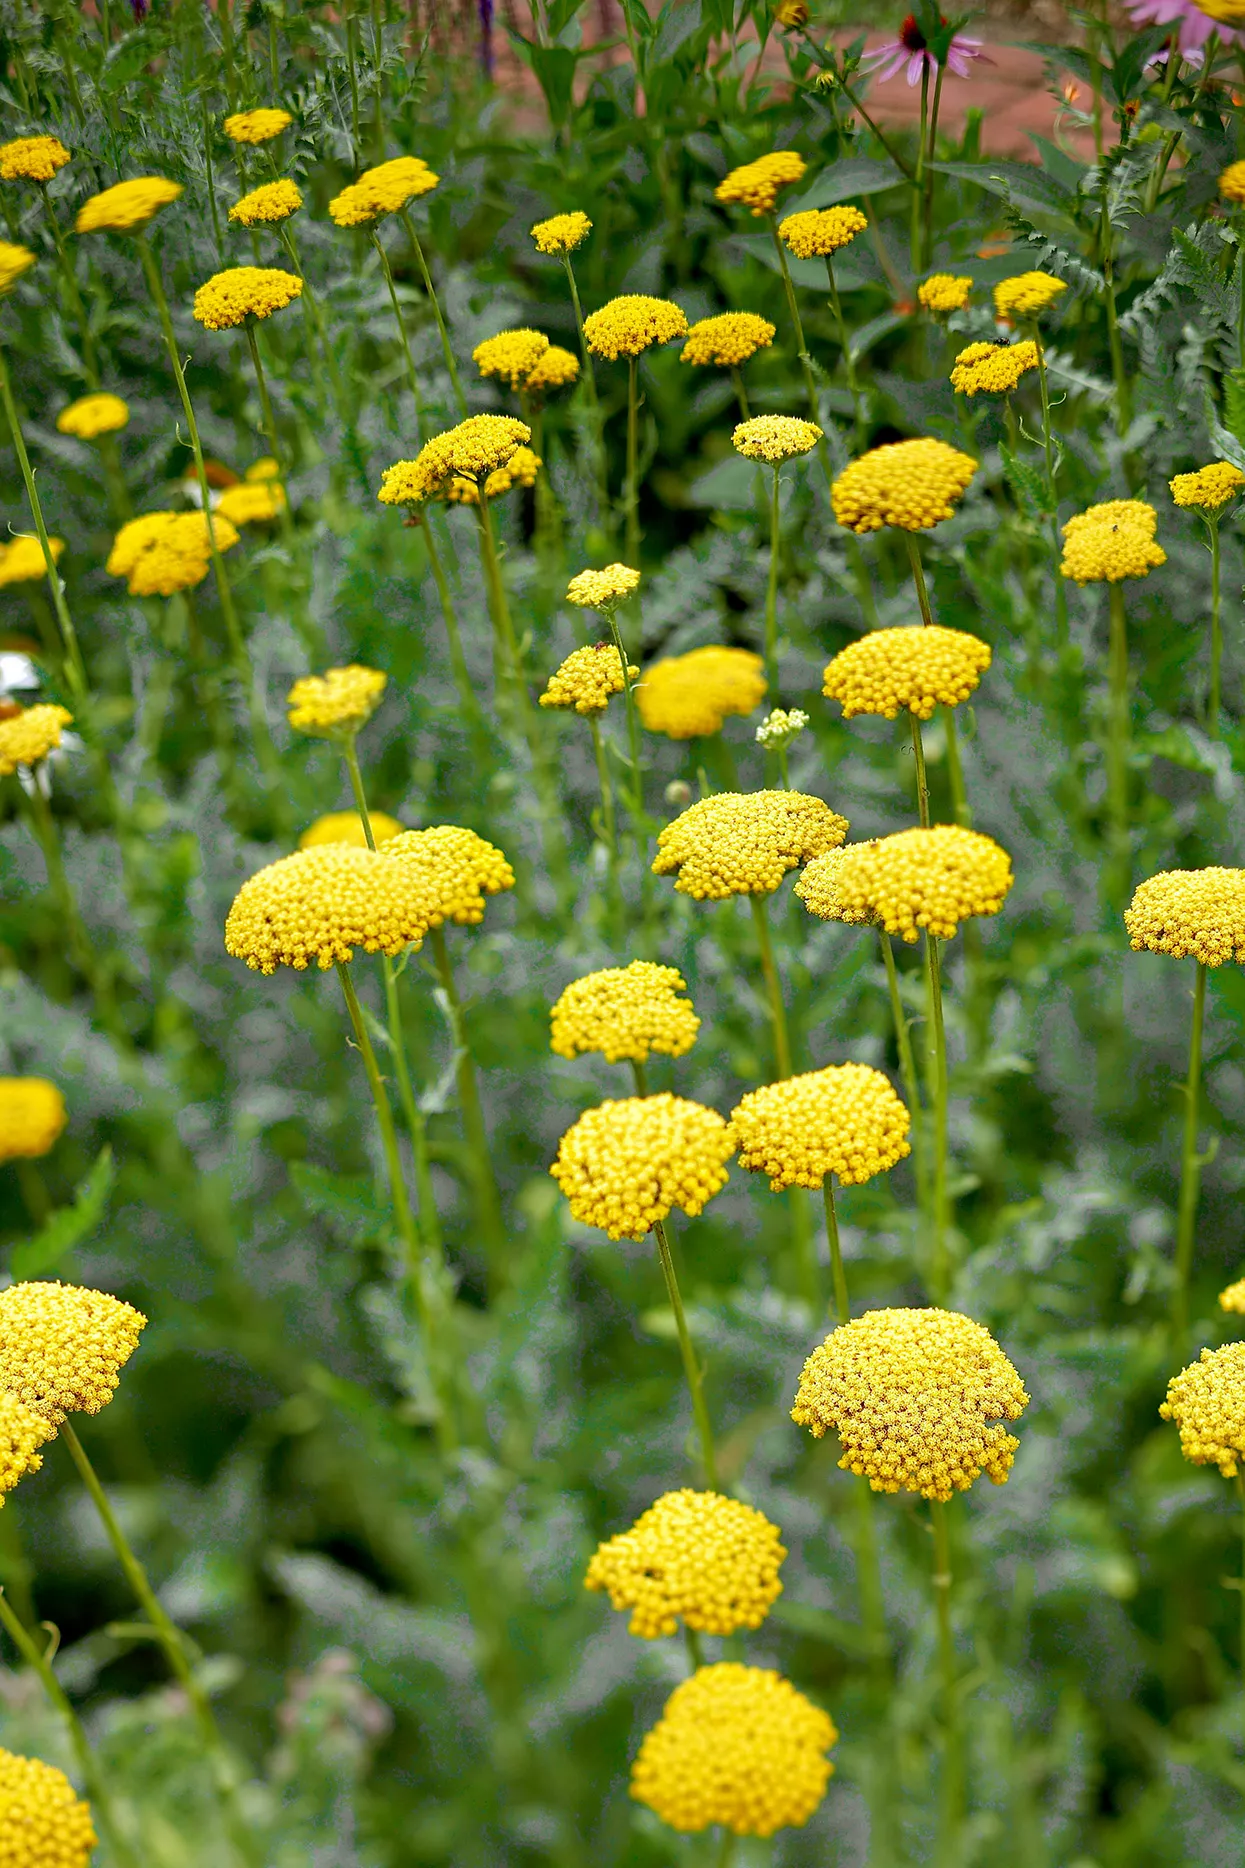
column 1025, row 296
column 29, row 736
column 819, row 232
column 1111, row 541
column 22, row 1432
column 43, row 1824
column 603, row 590
column 992, row 369
column 163, row 552
column 625, row 1165
column 127, row 207
column 32, row 159
column 919, row 668
column 845, row 1120
column 320, row 904
column 1233, row 1297
column 909, row 484
column 1207, row 1403
column 472, row 450
column 347, row 827
column 944, row 292
column 561, row 233
column 256, row 126
column 89, row 416
column 512, row 355
column 557, row 368
column 456, row 869
column 693, row 1556
column 738, row 1746
column 775, row 438
column 228, row 299
column 756, row 184
column 918, row 1399
column 62, row 1347
column 386, row 189
column 689, row 696
column 625, row 1013
column 272, row 201
column 335, row 705
column 22, row 560
column 14, row 261
column 32, row 1117
column 520, row 470
column 1196, row 914
column 587, row 679
column 914, row 880
column 1232, row 182
column 1210, row 488
column 629, row 325
column 727, row 340
column 737, row 843
column 265, row 468
column 251, row 502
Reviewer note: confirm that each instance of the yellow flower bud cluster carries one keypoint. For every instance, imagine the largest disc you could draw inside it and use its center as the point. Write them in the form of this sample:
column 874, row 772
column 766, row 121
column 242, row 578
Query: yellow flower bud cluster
column 321, row 904
column 1026, row 295
column 29, row 736
column 229, row 298
column 689, row 696
column 22, row 560
column 1209, row 488
column 22, row 1433
column 1232, row 182
column 457, row 870
column 163, row 552
column 1232, row 1297
column 780, row 727
column 62, row 1348
column 1111, row 541
column 737, row 843
column 473, row 449
column 775, row 438
column 819, row 232
column 918, row 668
column 1207, row 1403
column 738, row 1746
column 256, row 126
column 928, row 879
column 386, row 189
column 1194, row 914
column 128, row 206
column 89, row 416
column 587, row 679
column 561, row 233
column 755, row 185
column 337, row 703
column 557, row 368
column 696, row 1556
column 844, row 1120
column 629, row 325
column 272, row 201
column 625, row 1013
column 727, row 340
column 43, row 1824
column 918, row 1399
column 992, row 369
column 512, row 355
column 602, row 590
column 347, row 827
column 910, row 484
column 14, row 261
column 251, row 502
column 625, row 1165
column 32, row 159
column 520, row 470
column 32, row 1117
column 944, row 292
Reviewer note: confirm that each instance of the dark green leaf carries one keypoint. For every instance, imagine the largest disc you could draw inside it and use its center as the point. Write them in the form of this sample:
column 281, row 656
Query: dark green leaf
column 68, row 1227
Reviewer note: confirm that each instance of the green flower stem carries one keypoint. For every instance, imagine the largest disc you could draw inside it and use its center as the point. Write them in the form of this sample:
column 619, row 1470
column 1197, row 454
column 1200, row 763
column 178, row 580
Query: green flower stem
column 589, row 380
column 806, row 362
column 1118, row 736
column 952, row 1802
column 836, row 305
column 311, row 299
column 639, row 818
column 741, row 394
column 695, row 1653
column 306, row 630
column 1052, row 491
column 411, row 374
column 773, row 985
column 726, row 1849
column 927, row 210
column 243, row 1842
column 918, row 578
column 446, row 348
column 356, row 141
column 639, row 1076
column 955, row 771
column 940, row 1270
column 210, row 172
column 458, row 661
column 90, row 357
column 608, row 821
column 488, row 1198
column 771, row 588
column 81, row 950
column 93, row 1779
column 836, row 1252
column 631, row 490
column 1123, row 391
column 1191, row 1163
column 922, row 781
column 907, row 1067
column 1240, row 1493
column 1216, row 627
column 508, row 668
column 74, row 668
column 918, row 180
column 691, row 1368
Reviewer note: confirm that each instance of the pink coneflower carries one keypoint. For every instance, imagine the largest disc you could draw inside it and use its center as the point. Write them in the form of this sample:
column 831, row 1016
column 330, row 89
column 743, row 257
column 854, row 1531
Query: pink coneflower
column 1195, row 27
column 911, row 50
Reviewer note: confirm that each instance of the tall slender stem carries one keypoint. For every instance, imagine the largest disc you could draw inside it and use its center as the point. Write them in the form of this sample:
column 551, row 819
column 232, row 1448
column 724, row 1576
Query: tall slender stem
column 955, row 771
column 771, row 589
column 773, row 985
column 907, row 1065
column 918, row 578
column 411, row 375
column 922, row 781
column 639, row 817
column 691, row 1368
column 307, row 632
column 952, row 1801
column 741, row 394
column 849, row 365
column 1117, row 738
column 487, row 1195
column 172, row 1642
column 508, row 669
column 588, row 378
column 74, row 667
column 918, row 180
column 940, row 1269
column 1123, row 392
column 806, row 362
column 836, row 1251
column 631, row 491
column 1240, row 1493
column 447, row 349
column 1052, row 491
column 608, row 822
column 927, row 210
column 389, row 1139
column 1216, row 627
column 1190, row 1162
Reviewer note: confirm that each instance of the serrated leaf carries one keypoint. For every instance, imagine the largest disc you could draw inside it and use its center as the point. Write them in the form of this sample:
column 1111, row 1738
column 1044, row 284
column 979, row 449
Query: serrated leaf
column 1234, row 403
column 68, row 1227
column 1026, row 483
column 1229, row 447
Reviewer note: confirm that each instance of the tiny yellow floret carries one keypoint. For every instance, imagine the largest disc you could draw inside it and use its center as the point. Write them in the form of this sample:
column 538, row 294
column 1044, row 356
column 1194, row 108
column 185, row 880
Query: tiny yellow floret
column 89, row 416
column 561, row 233
column 919, row 880
column 335, row 705
column 625, row 1013
column 1210, row 488
column 1207, row 1403
column 1026, row 295
column 557, row 368
column 251, row 502
column 29, row 736
column 62, row 1347
column 919, row 668
column 775, row 438
column 230, row 298
column 128, row 206
column 625, row 1165
column 32, row 159
column 993, row 369
column 14, row 261
column 737, row 843
column 844, row 1120
column 819, row 232
column 256, row 126
column 163, row 552
column 1111, row 541
column 43, row 1823
column 512, row 355
column 689, row 696
column 587, row 679
column 756, row 184
column 602, row 590
column 1196, row 914
column 272, row 201
column 22, row 560
column 22, row 1432
column 386, row 189
column 944, row 292
column 629, row 325
column 32, row 1117
column 727, row 340
column 694, row 1557
column 909, row 484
